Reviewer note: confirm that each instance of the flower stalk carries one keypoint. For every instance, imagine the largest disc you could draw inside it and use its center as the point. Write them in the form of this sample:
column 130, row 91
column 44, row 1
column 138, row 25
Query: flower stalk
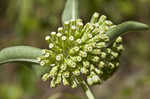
column 86, row 89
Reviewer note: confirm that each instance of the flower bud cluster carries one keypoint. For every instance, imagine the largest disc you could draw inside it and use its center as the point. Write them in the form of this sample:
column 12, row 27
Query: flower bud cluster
column 81, row 50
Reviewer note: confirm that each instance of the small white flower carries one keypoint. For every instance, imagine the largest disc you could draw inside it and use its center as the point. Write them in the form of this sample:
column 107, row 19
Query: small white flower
column 47, row 55
column 83, row 54
column 42, row 63
column 63, row 38
column 119, row 40
column 103, row 55
column 71, row 38
column 59, row 57
column 91, row 27
column 112, row 65
column 73, row 64
column 101, row 64
column 73, row 27
column 114, row 54
column 84, row 70
column 66, row 23
column 52, row 65
column 96, row 25
column 47, row 38
column 95, row 59
column 90, row 35
column 89, row 81
column 53, row 33
column 43, row 52
column 101, row 31
column 96, row 79
column 80, row 23
column 108, row 22
column 63, row 67
column 76, row 48
column 51, row 45
column 59, row 34
column 76, row 72
column 79, row 41
column 72, row 20
column 88, row 48
column 86, row 64
column 79, row 59
column 60, row 29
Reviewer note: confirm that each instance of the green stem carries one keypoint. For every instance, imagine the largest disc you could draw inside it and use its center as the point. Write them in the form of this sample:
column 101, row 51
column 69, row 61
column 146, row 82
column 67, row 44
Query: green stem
column 86, row 88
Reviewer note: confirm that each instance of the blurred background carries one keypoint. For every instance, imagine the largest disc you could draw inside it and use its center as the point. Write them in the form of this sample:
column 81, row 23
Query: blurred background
column 26, row 22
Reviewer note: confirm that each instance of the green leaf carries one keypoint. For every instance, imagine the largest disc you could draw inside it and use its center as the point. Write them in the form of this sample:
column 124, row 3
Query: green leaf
column 124, row 28
column 70, row 11
column 19, row 53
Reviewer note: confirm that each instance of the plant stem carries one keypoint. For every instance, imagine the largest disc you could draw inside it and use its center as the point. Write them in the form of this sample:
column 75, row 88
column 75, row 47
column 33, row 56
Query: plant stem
column 86, row 88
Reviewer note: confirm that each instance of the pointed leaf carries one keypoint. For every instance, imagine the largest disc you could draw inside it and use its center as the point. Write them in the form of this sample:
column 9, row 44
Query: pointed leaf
column 124, row 28
column 70, row 11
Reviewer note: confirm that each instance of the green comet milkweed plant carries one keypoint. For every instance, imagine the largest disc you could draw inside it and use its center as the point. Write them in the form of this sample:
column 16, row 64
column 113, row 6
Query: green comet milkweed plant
column 79, row 55
column 78, row 50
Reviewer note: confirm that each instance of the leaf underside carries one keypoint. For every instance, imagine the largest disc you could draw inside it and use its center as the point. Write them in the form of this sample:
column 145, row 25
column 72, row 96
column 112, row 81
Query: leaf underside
column 125, row 27
column 19, row 53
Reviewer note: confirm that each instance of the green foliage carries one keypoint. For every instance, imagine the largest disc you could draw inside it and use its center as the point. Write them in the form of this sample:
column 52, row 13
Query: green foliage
column 10, row 91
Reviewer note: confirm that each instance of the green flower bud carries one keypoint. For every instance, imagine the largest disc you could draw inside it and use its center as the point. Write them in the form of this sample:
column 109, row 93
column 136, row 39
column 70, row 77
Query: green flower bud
column 74, row 84
column 66, row 74
column 83, row 54
column 89, row 81
column 98, row 71
column 96, row 79
column 52, row 84
column 94, row 18
column 86, row 64
column 95, row 59
column 65, row 81
column 45, row 77
column 76, row 72
column 58, row 79
column 101, row 45
column 101, row 64
column 103, row 55
column 84, row 70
